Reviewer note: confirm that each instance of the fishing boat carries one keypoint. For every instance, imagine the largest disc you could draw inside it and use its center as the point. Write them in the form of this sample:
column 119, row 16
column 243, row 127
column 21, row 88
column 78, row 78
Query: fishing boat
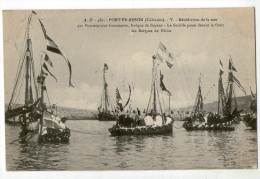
column 250, row 120
column 106, row 111
column 227, row 112
column 155, row 122
column 38, row 122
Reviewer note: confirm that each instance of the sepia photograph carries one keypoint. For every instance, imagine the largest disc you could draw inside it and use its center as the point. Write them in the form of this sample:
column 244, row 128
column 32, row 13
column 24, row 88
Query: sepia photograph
column 130, row 89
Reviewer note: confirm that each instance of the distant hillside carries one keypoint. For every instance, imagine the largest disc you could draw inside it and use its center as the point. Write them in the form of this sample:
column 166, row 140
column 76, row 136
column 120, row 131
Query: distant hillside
column 72, row 113
column 243, row 103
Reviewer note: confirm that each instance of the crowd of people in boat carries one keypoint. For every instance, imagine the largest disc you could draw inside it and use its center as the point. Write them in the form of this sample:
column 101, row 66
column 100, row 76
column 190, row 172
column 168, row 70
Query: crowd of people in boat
column 209, row 118
column 133, row 118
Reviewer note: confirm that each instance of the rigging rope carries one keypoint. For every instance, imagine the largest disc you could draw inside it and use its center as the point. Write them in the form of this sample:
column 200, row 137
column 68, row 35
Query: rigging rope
column 78, row 131
column 17, row 96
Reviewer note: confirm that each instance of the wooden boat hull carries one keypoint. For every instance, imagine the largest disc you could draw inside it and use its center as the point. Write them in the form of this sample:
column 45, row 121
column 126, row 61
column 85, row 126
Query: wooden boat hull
column 106, row 117
column 52, row 136
column 228, row 126
column 250, row 121
column 144, row 130
column 12, row 122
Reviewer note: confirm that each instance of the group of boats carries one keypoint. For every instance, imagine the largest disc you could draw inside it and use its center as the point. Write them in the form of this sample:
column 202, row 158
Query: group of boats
column 40, row 123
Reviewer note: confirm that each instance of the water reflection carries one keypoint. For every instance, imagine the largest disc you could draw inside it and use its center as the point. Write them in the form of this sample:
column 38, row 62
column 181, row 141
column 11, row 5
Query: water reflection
column 33, row 156
column 97, row 150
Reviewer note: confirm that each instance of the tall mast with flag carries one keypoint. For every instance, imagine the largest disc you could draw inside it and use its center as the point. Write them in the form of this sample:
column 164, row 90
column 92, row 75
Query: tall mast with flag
column 34, row 116
column 198, row 107
column 106, row 110
column 221, row 92
column 155, row 104
column 230, row 93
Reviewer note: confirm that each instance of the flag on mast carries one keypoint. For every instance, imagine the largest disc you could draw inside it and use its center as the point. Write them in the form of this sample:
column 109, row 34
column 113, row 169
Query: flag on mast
column 221, row 71
column 53, row 47
column 163, row 55
column 163, row 88
column 105, row 67
column 48, row 60
column 46, row 68
column 231, row 66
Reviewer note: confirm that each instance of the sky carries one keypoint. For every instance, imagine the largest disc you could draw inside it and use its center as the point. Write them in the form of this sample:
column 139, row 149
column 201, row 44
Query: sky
column 129, row 55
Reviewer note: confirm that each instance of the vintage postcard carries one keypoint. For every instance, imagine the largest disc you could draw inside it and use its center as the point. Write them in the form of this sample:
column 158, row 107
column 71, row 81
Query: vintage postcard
column 136, row 89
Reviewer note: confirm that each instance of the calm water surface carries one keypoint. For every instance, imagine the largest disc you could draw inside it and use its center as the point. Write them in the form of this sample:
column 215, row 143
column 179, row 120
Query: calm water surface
column 97, row 150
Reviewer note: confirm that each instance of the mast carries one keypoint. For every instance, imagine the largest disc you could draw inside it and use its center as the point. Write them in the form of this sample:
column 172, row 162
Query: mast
column 198, row 107
column 27, row 76
column 154, row 100
column 221, row 95
column 105, row 90
column 154, row 95
column 43, row 88
column 169, row 104
column 105, row 98
column 229, row 93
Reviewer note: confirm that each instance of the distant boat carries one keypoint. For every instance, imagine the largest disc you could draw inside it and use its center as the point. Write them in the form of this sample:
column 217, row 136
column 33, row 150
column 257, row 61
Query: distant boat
column 156, row 122
column 37, row 122
column 250, row 120
column 106, row 111
column 227, row 111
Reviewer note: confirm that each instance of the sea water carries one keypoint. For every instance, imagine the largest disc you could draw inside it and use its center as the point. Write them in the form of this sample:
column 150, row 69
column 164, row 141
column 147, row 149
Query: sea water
column 94, row 149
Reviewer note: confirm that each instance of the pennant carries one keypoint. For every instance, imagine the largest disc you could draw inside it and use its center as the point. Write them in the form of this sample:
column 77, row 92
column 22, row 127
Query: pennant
column 221, row 71
column 231, row 67
column 105, row 67
column 220, row 63
column 46, row 68
column 48, row 60
column 162, row 47
column 53, row 47
column 169, row 64
column 163, row 88
column 163, row 55
column 43, row 29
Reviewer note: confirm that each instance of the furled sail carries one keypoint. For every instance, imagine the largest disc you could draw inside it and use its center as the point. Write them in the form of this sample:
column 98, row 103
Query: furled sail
column 230, row 93
column 105, row 105
column 198, row 107
column 221, row 92
column 156, row 103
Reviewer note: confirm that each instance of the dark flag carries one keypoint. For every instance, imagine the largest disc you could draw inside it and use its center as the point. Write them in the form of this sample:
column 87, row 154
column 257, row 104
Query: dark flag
column 169, row 64
column 162, row 85
column 43, row 28
column 105, row 67
column 231, row 66
column 119, row 100
column 221, row 68
column 48, row 60
column 46, row 68
column 53, row 47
